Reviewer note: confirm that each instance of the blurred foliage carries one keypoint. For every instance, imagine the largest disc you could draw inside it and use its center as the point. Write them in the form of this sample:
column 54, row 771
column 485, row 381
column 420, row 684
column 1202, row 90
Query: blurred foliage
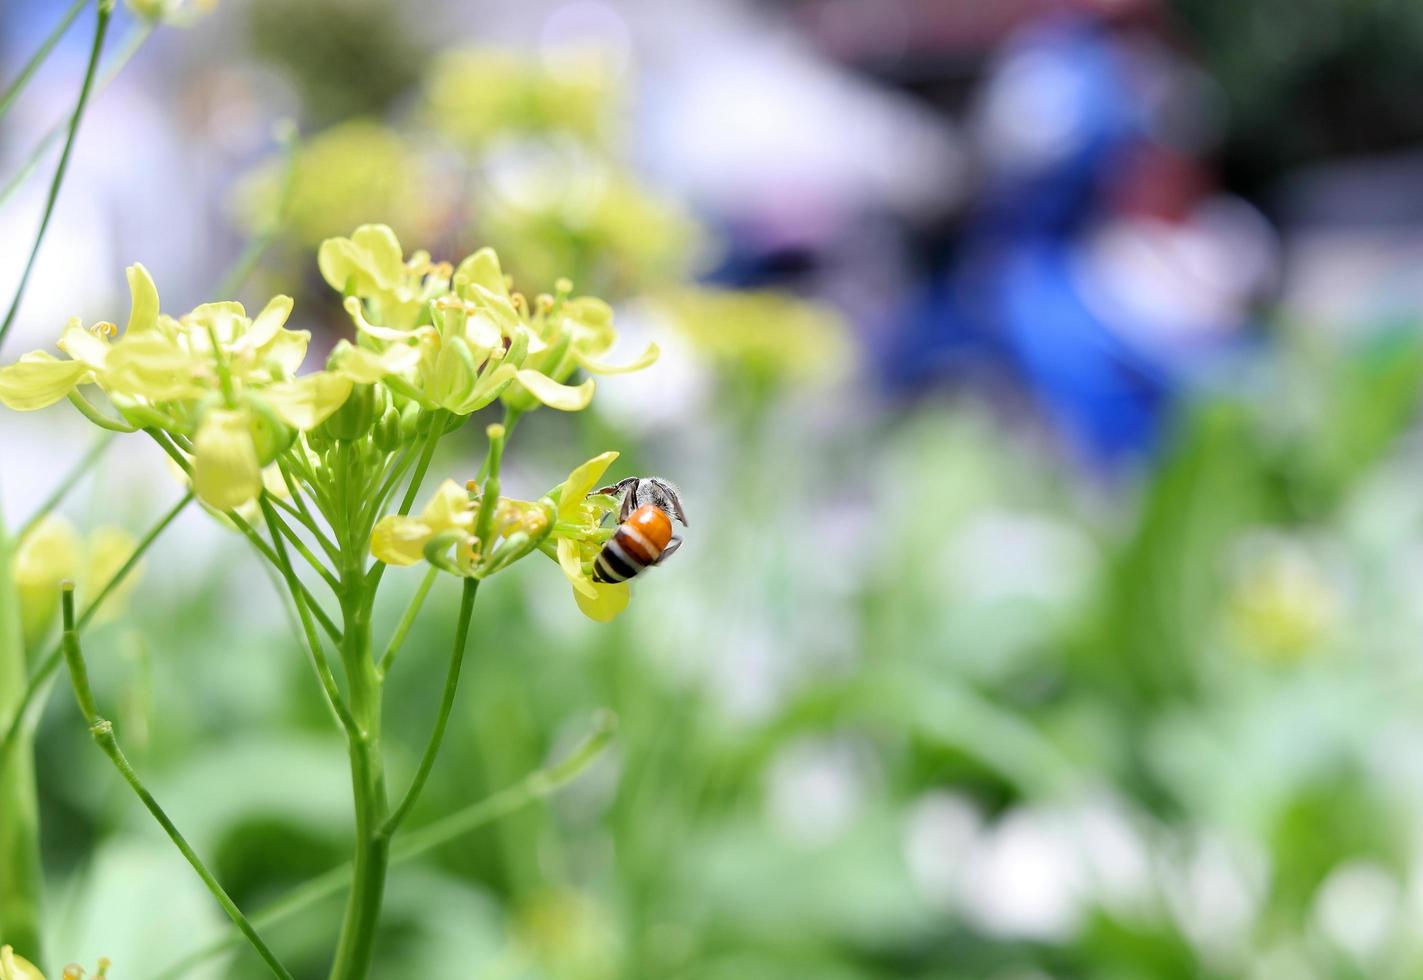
column 346, row 58
column 1353, row 62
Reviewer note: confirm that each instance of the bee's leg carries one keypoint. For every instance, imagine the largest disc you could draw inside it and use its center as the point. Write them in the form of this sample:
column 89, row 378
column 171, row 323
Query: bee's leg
column 672, row 546
column 629, row 498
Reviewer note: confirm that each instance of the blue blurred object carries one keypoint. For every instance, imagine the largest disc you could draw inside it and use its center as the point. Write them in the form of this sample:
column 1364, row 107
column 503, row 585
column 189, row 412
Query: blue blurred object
column 1060, row 114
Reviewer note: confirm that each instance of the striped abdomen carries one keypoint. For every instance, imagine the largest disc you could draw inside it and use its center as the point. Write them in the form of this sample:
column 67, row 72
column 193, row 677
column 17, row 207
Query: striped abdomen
column 637, row 543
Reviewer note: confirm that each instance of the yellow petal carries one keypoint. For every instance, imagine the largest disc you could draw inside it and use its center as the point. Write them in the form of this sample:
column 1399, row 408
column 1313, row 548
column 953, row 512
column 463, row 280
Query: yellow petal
column 400, row 540
column 570, row 560
column 143, row 299
column 450, row 509
column 308, row 401
column 83, row 346
column 609, row 599
column 565, row 398
column 38, row 379
column 389, row 335
column 366, row 366
column 582, row 480
column 150, row 365
column 226, row 473
column 13, row 966
column 646, row 359
column 286, row 351
column 482, row 269
column 269, row 321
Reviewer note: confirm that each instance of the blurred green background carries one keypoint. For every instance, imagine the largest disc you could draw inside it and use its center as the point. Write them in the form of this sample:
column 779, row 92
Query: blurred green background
column 1042, row 385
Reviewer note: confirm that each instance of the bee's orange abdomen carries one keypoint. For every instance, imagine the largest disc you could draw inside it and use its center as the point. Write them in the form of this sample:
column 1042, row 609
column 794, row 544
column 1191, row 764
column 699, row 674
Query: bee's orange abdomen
column 650, row 529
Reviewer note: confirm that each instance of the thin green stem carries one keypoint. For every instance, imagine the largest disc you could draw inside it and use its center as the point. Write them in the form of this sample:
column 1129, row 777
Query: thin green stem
column 442, row 717
column 397, row 639
column 37, row 59
column 427, row 452
column 307, row 517
column 50, row 662
column 103, row 731
column 247, row 532
column 106, row 10
column 258, row 245
column 129, row 49
column 313, row 642
column 534, row 787
column 92, row 413
column 277, row 524
column 66, row 483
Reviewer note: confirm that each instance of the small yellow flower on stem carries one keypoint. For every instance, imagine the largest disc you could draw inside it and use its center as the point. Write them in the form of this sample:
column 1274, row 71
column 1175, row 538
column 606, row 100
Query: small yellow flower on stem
column 576, row 513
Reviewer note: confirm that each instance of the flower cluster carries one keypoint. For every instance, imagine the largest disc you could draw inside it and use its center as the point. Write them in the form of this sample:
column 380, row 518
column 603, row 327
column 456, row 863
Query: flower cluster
column 433, row 342
column 225, row 385
column 569, row 523
column 457, row 339
column 474, row 96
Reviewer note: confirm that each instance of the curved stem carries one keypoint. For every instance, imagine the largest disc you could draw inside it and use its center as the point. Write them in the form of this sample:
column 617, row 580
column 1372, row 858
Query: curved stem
column 47, row 666
column 106, row 10
column 442, row 718
column 92, row 413
column 276, row 524
column 397, row 638
column 41, row 53
column 532, row 788
column 103, row 731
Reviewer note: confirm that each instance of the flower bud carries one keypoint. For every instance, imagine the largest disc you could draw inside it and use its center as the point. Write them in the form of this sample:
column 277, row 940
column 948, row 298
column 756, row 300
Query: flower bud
column 387, row 432
column 360, row 411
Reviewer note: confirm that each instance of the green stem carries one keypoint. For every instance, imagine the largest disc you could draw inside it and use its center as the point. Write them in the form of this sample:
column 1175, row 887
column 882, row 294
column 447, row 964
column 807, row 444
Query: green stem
column 47, row 666
column 106, row 10
column 135, row 41
column 532, row 788
column 41, row 53
column 92, row 413
column 427, row 453
column 277, row 524
column 66, row 483
column 103, row 731
column 334, row 700
column 442, row 718
column 253, row 538
column 21, row 880
column 372, row 849
column 397, row 639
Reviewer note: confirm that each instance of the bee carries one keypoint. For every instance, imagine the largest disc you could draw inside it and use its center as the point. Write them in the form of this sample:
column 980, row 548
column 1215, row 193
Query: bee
column 644, row 536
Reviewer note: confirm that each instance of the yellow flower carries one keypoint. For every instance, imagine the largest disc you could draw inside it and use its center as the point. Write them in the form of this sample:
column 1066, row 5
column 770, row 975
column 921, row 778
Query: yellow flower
column 474, row 96
column 600, row 601
column 459, row 340
column 13, row 966
column 400, row 540
column 351, row 173
column 52, row 552
column 226, row 471
column 215, row 375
